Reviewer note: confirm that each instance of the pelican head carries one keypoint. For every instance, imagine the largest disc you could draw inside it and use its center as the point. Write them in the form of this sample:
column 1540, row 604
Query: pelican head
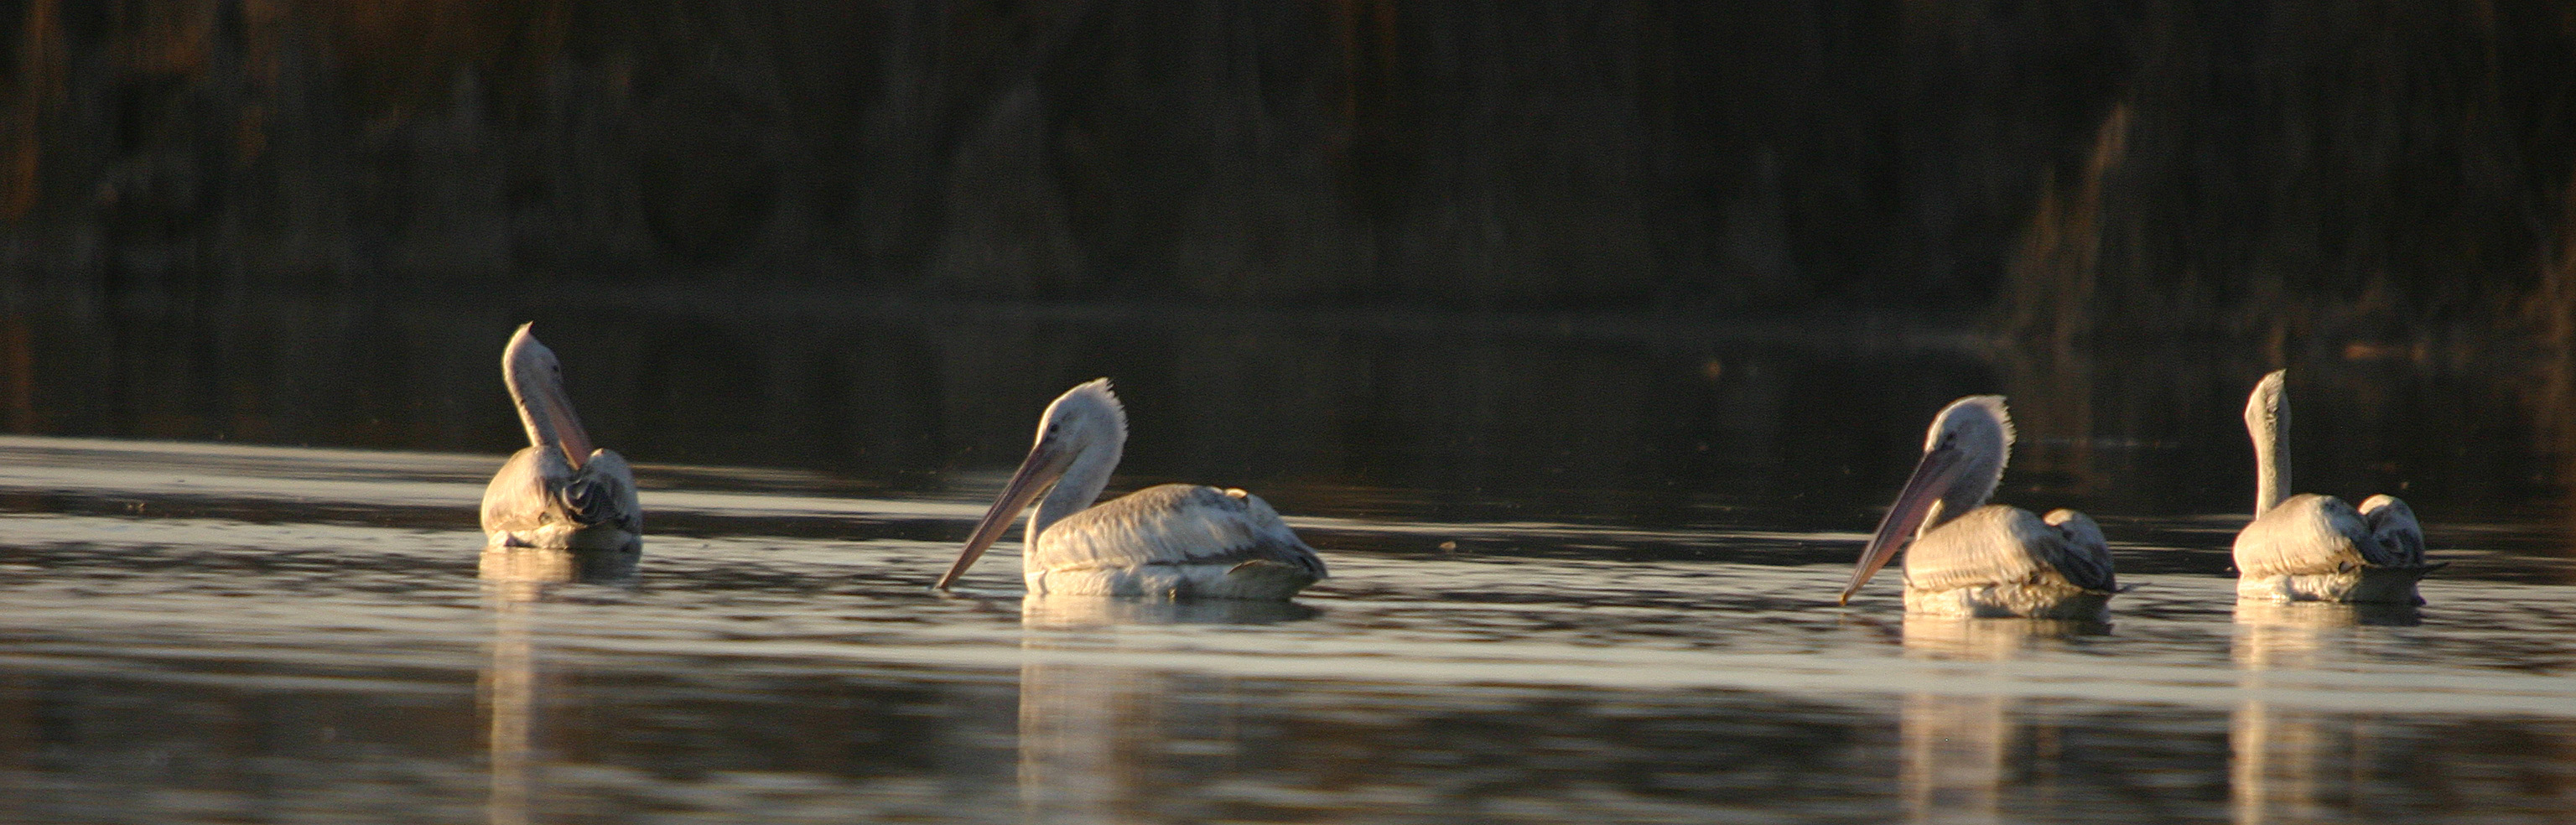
column 536, row 384
column 1963, row 459
column 1079, row 441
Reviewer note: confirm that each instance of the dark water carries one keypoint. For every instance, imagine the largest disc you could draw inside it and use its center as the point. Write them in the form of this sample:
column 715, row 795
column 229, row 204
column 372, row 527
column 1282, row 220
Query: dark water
column 1583, row 571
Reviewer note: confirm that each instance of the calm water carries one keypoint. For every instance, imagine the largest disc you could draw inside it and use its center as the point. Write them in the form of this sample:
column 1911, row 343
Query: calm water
column 1583, row 572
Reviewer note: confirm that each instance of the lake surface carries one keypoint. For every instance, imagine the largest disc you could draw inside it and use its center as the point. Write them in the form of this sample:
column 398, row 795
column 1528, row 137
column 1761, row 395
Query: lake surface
column 1583, row 571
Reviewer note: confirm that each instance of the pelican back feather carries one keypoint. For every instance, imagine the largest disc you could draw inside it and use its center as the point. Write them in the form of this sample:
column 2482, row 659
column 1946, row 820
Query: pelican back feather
column 2003, row 561
column 2316, row 548
column 1176, row 540
column 1999, row 544
column 2304, row 534
column 538, row 500
column 602, row 493
column 516, row 498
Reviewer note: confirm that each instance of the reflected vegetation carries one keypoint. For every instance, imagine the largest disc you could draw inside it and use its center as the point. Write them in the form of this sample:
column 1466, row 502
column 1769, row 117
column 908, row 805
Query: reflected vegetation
column 1459, row 418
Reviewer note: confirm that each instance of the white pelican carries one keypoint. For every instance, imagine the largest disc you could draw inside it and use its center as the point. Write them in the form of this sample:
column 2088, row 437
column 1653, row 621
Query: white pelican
column 1170, row 540
column 558, row 492
column 2310, row 547
column 1987, row 560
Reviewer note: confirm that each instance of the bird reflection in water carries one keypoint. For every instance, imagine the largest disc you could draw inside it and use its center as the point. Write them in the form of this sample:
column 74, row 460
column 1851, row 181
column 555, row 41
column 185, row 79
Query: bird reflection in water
column 2289, row 764
column 1960, row 749
column 1100, row 742
column 522, row 574
column 514, row 580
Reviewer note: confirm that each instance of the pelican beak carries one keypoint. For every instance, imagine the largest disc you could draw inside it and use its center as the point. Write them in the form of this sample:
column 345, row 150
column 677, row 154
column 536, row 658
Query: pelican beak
column 1046, row 462
column 1939, row 469
column 558, row 406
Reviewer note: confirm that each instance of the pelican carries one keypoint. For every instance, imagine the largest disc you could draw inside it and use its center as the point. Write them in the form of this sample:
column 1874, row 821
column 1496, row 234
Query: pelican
column 558, row 492
column 2309, row 547
column 1170, row 540
column 1986, row 560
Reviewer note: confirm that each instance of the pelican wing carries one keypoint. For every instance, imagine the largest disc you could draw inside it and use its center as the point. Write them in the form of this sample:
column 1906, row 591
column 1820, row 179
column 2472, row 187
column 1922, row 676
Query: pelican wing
column 1999, row 545
column 603, row 492
column 2079, row 551
column 1174, row 524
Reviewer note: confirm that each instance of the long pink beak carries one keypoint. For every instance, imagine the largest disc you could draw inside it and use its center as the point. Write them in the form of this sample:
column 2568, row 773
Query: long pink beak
column 1045, row 464
column 575, row 440
column 1933, row 476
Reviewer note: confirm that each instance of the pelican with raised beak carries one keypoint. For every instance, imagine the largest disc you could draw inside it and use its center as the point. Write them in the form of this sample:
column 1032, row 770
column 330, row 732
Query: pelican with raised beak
column 2313, row 548
column 558, row 492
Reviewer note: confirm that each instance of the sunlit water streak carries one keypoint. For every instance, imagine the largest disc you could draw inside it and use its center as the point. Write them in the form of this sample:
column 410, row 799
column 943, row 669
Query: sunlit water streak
column 287, row 658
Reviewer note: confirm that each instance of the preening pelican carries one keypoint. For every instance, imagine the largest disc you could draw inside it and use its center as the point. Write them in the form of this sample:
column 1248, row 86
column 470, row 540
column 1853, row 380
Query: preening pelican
column 1985, row 560
column 2310, row 547
column 1170, row 540
column 558, row 492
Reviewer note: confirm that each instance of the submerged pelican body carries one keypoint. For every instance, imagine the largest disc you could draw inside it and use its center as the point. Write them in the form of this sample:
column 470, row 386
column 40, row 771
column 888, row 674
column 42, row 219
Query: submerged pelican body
column 1967, row 558
column 558, row 492
column 1170, row 540
column 2310, row 547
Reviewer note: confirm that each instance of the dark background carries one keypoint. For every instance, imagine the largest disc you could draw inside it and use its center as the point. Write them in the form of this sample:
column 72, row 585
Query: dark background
column 2342, row 168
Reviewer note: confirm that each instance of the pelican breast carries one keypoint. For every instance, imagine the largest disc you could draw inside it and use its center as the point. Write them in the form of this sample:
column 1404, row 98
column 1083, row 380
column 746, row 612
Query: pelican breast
column 1179, row 540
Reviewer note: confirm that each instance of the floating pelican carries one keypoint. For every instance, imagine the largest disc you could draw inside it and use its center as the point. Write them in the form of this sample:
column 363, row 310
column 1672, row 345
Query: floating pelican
column 2317, row 548
column 558, row 492
column 1171, row 540
column 1985, row 560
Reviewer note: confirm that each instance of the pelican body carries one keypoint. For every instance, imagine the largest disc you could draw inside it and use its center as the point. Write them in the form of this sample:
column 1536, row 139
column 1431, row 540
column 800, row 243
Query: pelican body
column 1967, row 558
column 1175, row 541
column 558, row 493
column 2317, row 548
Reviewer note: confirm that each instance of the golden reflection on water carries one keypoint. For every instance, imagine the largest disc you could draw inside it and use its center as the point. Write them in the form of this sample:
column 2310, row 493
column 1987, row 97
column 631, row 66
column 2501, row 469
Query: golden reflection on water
column 2292, row 764
column 1959, row 750
column 509, row 691
column 515, row 579
column 1094, row 737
